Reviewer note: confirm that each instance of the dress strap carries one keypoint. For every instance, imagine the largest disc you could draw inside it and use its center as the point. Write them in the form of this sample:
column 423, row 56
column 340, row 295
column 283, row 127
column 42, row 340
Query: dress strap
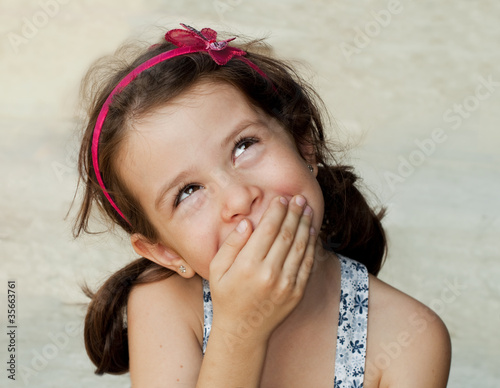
column 208, row 313
column 352, row 326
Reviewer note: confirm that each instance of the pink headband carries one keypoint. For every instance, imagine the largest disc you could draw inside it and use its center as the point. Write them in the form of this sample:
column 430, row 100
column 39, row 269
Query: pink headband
column 187, row 41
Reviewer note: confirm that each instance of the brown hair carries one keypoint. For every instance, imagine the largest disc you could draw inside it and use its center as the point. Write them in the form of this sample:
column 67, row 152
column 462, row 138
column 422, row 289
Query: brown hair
column 350, row 226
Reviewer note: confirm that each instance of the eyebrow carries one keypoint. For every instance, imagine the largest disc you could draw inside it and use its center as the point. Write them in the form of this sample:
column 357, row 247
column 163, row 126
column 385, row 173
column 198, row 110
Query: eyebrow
column 187, row 172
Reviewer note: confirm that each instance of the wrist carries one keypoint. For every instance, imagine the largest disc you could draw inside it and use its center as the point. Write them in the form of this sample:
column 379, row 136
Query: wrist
column 231, row 360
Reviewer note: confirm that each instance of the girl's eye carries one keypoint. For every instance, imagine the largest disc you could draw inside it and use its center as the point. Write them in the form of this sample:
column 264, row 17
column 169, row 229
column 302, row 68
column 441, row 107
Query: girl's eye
column 185, row 192
column 241, row 145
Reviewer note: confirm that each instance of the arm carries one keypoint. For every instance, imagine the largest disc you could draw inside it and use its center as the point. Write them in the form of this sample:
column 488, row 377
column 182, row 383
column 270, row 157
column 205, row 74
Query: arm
column 163, row 319
column 165, row 342
column 255, row 284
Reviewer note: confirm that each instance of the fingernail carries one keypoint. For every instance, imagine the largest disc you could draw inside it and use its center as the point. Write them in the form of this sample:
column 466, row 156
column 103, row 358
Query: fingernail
column 300, row 201
column 283, row 201
column 308, row 211
column 312, row 231
column 242, row 226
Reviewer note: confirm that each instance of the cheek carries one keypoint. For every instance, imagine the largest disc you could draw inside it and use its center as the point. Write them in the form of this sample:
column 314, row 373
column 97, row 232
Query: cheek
column 290, row 175
column 297, row 179
column 294, row 179
column 318, row 206
column 281, row 171
column 192, row 238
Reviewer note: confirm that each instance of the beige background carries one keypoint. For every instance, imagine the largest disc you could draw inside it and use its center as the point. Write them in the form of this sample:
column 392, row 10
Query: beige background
column 404, row 81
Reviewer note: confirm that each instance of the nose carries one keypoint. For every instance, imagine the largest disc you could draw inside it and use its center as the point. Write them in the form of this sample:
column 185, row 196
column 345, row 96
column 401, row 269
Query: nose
column 238, row 200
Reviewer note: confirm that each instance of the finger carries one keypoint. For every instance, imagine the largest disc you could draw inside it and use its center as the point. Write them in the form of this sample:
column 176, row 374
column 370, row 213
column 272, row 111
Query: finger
column 230, row 249
column 295, row 255
column 288, row 235
column 307, row 262
column 266, row 231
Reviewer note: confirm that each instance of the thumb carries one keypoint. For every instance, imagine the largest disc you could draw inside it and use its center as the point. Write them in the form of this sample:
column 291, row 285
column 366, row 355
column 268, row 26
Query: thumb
column 229, row 250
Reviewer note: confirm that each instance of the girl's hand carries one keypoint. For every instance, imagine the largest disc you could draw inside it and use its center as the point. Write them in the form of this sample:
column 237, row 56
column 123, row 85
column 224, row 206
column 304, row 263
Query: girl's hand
column 257, row 279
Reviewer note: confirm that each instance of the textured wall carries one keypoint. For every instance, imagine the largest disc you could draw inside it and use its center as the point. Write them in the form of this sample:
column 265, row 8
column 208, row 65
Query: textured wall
column 414, row 86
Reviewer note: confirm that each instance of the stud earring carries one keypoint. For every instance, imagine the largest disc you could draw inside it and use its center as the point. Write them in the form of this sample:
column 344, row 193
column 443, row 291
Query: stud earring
column 182, row 269
column 311, row 168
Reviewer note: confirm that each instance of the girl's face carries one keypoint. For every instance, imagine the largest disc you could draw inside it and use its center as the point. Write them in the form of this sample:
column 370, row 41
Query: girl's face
column 205, row 161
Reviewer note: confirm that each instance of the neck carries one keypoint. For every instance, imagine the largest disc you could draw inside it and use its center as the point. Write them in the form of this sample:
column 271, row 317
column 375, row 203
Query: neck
column 324, row 280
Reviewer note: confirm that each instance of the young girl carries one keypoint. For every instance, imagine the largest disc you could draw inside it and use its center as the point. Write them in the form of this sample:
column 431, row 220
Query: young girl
column 259, row 253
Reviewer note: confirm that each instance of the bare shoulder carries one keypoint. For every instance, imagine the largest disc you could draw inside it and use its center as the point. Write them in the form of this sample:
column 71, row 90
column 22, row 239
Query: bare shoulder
column 163, row 295
column 165, row 329
column 408, row 344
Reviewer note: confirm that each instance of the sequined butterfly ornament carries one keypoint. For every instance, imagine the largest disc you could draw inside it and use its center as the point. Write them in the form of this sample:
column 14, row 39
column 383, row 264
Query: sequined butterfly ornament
column 204, row 40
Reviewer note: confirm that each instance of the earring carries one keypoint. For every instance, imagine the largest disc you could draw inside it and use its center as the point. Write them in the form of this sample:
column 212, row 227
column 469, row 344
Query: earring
column 182, row 269
column 311, row 168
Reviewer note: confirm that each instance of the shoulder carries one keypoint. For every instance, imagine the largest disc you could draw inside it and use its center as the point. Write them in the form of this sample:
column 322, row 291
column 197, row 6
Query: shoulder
column 174, row 291
column 165, row 330
column 408, row 344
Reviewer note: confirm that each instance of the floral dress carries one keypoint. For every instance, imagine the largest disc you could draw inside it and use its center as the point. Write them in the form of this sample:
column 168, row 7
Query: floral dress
column 352, row 324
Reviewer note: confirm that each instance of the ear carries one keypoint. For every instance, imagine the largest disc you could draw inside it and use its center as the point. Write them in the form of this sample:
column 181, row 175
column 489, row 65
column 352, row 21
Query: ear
column 308, row 153
column 161, row 255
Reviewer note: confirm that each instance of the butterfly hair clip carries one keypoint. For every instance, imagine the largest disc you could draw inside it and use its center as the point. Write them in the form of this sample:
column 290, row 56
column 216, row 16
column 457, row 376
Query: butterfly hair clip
column 204, row 40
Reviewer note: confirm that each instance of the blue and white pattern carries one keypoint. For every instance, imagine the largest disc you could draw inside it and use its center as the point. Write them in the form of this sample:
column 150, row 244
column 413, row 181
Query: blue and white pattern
column 208, row 313
column 352, row 324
